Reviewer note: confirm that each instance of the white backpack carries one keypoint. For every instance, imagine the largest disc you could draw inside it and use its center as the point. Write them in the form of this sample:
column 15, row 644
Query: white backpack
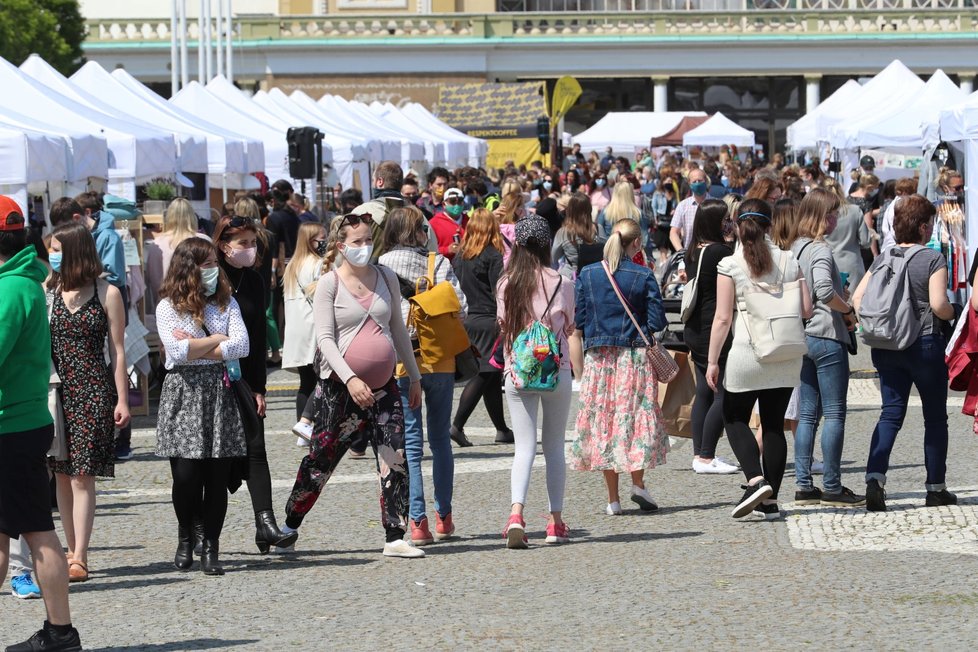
column 772, row 314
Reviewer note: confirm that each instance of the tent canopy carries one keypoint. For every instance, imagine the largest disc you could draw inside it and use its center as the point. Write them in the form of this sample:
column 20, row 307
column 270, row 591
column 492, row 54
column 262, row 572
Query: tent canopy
column 674, row 137
column 374, row 146
column 717, row 131
column 28, row 156
column 627, row 131
column 904, row 129
column 275, row 101
column 477, row 147
column 801, row 133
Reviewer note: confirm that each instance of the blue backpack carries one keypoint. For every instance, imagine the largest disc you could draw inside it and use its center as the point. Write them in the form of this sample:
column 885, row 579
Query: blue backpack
column 536, row 354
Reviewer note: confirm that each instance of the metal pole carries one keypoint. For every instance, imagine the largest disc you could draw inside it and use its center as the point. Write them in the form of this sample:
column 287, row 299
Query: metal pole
column 208, row 52
column 218, row 50
column 201, row 71
column 184, row 72
column 174, row 64
column 229, row 35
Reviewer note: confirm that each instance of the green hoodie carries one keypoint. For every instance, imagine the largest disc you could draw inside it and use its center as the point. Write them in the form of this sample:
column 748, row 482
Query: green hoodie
column 25, row 344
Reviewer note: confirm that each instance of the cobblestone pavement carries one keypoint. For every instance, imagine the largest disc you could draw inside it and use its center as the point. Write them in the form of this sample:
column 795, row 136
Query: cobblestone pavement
column 686, row 577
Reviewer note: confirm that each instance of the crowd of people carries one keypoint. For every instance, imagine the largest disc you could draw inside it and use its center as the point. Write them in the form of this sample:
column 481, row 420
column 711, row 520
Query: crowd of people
column 526, row 284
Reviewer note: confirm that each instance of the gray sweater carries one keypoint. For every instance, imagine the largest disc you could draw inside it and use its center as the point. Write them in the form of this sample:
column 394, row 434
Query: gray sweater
column 822, row 276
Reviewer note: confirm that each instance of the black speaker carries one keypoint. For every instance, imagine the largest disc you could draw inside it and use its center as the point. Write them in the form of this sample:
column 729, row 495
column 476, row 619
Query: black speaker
column 303, row 142
column 543, row 134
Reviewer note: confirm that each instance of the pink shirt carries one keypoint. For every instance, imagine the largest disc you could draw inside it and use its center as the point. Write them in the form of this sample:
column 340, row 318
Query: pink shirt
column 370, row 355
column 561, row 318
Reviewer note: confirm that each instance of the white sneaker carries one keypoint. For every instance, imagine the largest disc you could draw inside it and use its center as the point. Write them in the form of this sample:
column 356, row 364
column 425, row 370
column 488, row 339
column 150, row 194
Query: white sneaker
column 716, row 466
column 642, row 498
column 402, row 548
column 723, row 460
column 817, row 467
column 575, row 385
column 613, row 509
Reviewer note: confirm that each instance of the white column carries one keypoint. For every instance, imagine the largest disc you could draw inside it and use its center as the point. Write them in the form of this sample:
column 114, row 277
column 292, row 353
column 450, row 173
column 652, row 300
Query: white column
column 174, row 57
column 813, row 90
column 184, row 72
column 660, row 94
column 206, row 41
column 201, row 70
column 229, row 36
column 968, row 82
column 218, row 50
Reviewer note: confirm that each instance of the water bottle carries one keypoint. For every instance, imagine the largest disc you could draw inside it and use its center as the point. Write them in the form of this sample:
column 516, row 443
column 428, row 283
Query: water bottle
column 234, row 369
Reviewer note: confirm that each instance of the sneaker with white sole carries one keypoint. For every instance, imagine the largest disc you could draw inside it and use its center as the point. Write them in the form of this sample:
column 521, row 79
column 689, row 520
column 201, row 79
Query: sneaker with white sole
column 753, row 496
column 613, row 509
column 402, row 548
column 24, row 587
column 769, row 512
column 724, row 460
column 303, row 431
column 515, row 532
column 642, row 498
column 558, row 533
column 714, row 467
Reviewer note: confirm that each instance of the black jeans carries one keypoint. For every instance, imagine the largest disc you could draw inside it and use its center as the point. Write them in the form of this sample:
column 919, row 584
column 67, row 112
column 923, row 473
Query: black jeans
column 707, row 415
column 200, row 488
column 304, row 404
column 488, row 386
column 259, row 475
column 737, row 407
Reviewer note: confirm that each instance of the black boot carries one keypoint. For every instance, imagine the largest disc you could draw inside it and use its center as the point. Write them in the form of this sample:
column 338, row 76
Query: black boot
column 184, row 558
column 209, row 562
column 267, row 533
column 198, row 537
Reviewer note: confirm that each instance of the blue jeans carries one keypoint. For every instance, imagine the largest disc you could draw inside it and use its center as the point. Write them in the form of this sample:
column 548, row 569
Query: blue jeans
column 921, row 365
column 824, row 385
column 438, row 394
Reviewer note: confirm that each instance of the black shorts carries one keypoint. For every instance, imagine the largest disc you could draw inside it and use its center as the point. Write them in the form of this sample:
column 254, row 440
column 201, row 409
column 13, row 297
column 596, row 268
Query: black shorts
column 660, row 238
column 25, row 491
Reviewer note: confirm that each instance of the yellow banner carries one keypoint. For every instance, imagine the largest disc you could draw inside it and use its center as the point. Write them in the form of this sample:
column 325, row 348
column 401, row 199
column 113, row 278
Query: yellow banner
column 567, row 91
column 521, row 151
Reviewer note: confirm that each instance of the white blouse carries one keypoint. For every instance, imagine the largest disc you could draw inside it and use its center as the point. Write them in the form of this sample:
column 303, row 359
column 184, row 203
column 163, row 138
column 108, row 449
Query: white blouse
column 227, row 322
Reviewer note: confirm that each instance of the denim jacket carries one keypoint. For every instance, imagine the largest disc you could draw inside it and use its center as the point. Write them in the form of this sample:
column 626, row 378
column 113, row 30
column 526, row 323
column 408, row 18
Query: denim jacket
column 599, row 313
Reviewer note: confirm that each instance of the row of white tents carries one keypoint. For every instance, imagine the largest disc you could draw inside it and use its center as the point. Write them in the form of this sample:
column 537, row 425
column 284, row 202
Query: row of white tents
column 58, row 134
column 631, row 131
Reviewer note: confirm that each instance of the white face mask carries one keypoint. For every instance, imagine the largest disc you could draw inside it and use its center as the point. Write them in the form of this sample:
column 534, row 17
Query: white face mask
column 358, row 256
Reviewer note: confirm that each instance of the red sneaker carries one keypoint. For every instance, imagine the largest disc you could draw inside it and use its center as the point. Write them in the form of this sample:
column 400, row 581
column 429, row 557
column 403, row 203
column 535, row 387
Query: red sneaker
column 444, row 528
column 558, row 533
column 420, row 534
column 515, row 532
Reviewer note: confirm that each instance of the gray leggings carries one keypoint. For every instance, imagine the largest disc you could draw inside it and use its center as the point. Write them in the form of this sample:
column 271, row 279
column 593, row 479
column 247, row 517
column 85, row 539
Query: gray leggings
column 20, row 557
column 523, row 410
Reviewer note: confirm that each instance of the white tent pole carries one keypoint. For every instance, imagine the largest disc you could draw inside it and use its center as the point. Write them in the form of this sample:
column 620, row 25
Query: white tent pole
column 184, row 72
column 217, row 38
column 208, row 53
column 228, row 43
column 174, row 65
column 201, row 71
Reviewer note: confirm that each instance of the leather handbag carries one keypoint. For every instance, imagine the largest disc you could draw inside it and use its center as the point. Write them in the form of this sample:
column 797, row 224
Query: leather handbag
column 663, row 365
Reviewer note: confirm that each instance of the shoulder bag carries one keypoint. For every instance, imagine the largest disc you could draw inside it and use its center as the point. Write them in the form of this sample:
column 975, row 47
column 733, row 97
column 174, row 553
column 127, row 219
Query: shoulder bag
column 772, row 315
column 663, row 364
column 690, row 290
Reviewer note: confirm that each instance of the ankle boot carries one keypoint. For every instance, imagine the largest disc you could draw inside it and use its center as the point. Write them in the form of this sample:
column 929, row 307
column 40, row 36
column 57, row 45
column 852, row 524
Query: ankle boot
column 267, row 533
column 198, row 537
column 209, row 562
column 184, row 558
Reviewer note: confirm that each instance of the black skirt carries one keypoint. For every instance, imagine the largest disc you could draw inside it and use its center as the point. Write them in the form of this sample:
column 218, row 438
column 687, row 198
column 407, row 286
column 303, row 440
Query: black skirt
column 483, row 330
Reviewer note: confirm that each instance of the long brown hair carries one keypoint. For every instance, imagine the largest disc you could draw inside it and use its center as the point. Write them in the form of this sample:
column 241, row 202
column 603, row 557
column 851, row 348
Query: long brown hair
column 813, row 213
column 80, row 262
column 753, row 222
column 784, row 222
column 481, row 231
column 522, row 278
column 402, row 228
column 762, row 188
column 183, row 286
column 577, row 221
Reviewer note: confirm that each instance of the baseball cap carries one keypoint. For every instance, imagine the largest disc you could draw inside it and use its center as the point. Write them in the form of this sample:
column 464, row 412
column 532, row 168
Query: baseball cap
column 11, row 217
column 867, row 162
column 454, row 192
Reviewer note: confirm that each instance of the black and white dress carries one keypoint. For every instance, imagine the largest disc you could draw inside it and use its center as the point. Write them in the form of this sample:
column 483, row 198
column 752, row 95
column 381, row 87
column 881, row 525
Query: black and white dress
column 198, row 414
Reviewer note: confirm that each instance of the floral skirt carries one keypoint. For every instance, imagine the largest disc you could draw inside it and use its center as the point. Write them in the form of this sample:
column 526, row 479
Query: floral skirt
column 619, row 426
column 198, row 416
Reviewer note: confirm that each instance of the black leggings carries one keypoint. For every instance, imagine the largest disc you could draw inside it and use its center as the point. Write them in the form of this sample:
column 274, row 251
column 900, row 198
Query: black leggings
column 707, row 415
column 737, row 409
column 304, row 405
column 259, row 475
column 488, row 386
column 200, row 488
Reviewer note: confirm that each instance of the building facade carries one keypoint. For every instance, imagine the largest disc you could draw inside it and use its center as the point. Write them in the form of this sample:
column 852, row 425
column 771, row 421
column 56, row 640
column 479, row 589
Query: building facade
column 763, row 63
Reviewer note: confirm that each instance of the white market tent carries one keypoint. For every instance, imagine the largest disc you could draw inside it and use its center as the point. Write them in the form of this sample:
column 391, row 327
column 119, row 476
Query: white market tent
column 375, row 146
column 88, row 154
column 959, row 126
column 30, row 157
column 477, row 147
column 254, row 152
column 195, row 99
column 406, row 150
column 134, row 153
column 625, row 132
column 801, row 133
column 905, row 128
column 435, row 149
column 717, row 131
column 224, row 155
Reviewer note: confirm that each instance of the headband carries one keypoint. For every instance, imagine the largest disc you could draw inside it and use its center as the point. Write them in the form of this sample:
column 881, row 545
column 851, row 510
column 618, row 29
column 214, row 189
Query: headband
column 744, row 216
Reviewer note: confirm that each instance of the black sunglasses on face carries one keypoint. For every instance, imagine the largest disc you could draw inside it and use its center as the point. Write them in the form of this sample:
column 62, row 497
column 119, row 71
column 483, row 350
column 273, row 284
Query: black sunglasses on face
column 957, row 188
column 354, row 220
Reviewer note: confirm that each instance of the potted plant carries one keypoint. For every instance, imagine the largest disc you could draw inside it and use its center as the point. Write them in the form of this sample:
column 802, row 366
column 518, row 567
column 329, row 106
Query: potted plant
column 159, row 193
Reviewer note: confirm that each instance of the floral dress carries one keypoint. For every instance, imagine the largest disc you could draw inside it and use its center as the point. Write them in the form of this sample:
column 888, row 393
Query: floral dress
column 88, row 393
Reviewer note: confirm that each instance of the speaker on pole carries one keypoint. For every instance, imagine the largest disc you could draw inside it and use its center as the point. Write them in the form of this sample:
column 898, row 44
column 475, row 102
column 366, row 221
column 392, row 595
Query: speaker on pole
column 305, row 152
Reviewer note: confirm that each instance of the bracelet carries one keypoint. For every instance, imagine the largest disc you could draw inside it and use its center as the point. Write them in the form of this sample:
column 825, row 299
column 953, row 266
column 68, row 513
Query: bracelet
column 852, row 311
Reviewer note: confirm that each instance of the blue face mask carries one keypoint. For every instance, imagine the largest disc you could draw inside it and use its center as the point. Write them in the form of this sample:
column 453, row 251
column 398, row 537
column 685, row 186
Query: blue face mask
column 599, row 182
column 699, row 188
column 54, row 259
column 547, row 185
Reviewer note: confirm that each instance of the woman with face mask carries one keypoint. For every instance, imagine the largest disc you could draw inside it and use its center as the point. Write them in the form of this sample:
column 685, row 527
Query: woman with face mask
column 236, row 239
column 600, row 194
column 360, row 333
column 199, row 427
column 301, row 275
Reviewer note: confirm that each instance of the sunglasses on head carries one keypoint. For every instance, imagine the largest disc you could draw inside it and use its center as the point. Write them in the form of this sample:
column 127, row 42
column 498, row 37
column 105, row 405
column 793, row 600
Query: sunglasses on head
column 353, row 220
column 237, row 222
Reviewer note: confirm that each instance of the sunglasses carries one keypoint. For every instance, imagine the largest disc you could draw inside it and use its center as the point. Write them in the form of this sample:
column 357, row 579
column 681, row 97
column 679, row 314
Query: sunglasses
column 354, row 220
column 237, row 222
column 957, row 188
column 451, row 201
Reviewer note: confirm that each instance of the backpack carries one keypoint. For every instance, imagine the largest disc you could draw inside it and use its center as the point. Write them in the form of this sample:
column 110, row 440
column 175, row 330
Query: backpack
column 434, row 317
column 772, row 315
column 536, row 354
column 888, row 312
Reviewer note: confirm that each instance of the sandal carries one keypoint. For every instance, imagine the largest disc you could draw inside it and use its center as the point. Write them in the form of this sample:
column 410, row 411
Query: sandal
column 77, row 571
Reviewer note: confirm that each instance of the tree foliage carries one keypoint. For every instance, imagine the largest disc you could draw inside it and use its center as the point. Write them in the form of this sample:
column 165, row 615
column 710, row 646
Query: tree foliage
column 54, row 29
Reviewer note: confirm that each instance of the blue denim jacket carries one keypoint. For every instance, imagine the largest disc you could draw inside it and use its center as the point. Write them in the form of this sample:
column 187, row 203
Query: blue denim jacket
column 599, row 313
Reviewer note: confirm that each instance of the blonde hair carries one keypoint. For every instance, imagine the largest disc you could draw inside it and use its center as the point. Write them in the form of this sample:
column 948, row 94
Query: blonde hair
column 248, row 207
column 180, row 221
column 622, row 204
column 304, row 251
column 813, row 213
column 623, row 234
column 511, row 203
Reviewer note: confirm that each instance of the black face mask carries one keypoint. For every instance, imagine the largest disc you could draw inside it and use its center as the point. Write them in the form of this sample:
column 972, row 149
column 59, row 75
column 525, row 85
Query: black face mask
column 321, row 247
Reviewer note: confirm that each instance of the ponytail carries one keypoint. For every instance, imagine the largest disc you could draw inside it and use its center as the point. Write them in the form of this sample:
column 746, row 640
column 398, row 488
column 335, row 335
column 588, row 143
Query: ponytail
column 753, row 223
column 336, row 234
column 624, row 233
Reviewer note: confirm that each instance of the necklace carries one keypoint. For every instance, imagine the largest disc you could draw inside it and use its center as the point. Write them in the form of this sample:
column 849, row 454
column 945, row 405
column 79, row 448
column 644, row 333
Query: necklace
column 240, row 281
